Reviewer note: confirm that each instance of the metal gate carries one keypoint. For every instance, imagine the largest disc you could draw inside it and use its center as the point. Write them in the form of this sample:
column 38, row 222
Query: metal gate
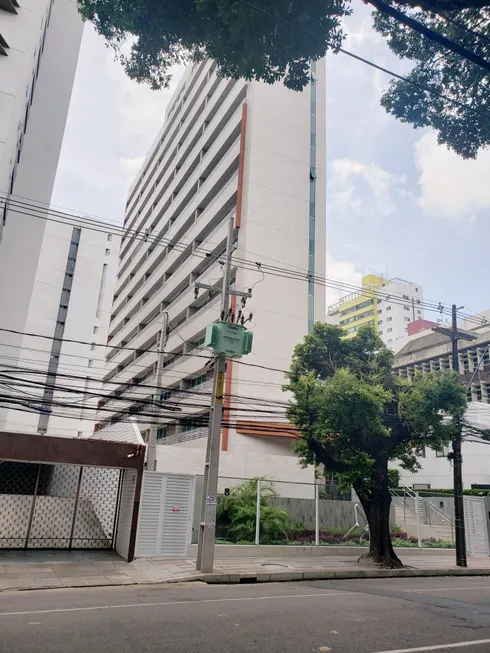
column 58, row 506
column 476, row 526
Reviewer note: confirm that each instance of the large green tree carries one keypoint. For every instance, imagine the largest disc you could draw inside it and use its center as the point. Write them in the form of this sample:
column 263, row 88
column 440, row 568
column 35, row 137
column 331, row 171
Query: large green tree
column 355, row 415
column 276, row 39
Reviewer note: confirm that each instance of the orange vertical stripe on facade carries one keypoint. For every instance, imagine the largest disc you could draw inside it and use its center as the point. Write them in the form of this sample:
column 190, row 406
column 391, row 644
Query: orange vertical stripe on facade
column 238, row 222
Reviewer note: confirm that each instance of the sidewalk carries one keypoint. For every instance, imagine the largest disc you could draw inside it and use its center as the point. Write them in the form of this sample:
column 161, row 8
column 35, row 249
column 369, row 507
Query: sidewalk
column 50, row 569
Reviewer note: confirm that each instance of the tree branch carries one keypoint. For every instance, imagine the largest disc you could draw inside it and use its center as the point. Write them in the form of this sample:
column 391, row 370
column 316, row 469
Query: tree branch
column 431, row 34
column 325, row 458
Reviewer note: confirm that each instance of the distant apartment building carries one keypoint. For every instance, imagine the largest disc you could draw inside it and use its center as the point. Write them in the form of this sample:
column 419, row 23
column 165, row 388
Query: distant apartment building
column 227, row 148
column 68, row 311
column 427, row 351
column 389, row 305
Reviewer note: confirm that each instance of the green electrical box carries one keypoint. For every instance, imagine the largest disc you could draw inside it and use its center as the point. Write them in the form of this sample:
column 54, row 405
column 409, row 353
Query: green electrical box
column 226, row 338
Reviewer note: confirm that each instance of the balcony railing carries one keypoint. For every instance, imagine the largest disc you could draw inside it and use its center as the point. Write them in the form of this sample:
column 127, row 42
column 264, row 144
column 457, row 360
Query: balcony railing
column 185, row 436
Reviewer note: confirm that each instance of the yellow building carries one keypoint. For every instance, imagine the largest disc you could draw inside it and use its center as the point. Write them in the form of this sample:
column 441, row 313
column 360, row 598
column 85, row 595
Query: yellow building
column 389, row 305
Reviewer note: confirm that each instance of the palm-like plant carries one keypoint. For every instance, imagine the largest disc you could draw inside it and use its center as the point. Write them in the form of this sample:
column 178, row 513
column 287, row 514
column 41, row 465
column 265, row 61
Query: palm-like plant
column 238, row 510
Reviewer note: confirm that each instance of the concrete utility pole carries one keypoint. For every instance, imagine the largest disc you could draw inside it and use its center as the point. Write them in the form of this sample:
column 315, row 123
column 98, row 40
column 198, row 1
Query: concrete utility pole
column 151, row 461
column 207, row 527
column 456, row 335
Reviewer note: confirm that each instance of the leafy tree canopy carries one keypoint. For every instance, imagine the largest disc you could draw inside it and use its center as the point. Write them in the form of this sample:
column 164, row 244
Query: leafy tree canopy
column 355, row 415
column 275, row 40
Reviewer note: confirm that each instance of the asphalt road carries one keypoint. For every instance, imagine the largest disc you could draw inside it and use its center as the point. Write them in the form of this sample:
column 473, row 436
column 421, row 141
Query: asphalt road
column 393, row 615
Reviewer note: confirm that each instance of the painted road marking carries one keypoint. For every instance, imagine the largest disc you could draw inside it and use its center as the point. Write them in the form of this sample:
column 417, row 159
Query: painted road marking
column 166, row 603
column 449, row 589
column 438, row 647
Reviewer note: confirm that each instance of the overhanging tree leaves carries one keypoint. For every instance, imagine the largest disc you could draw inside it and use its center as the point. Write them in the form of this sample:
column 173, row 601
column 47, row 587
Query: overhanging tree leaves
column 463, row 125
column 355, row 415
column 275, row 40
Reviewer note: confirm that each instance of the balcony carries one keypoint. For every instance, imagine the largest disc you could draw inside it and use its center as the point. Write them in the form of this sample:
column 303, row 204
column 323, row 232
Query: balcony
column 185, row 436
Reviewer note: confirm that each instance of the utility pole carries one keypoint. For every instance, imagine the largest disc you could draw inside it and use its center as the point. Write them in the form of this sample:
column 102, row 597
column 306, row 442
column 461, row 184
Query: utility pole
column 456, row 335
column 207, row 527
column 151, row 461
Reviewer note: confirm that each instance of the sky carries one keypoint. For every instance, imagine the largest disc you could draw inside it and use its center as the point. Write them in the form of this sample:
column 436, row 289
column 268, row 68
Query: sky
column 398, row 204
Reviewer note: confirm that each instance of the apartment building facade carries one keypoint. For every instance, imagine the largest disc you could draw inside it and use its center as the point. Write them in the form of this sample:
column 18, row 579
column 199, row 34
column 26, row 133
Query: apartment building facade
column 429, row 351
column 51, row 381
column 389, row 305
column 227, row 149
column 39, row 46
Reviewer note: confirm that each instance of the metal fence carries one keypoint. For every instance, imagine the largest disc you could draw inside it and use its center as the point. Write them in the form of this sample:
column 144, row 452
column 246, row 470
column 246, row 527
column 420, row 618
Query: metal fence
column 57, row 506
column 280, row 512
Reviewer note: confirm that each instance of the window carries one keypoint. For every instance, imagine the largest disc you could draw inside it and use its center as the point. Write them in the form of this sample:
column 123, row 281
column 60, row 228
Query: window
column 107, row 252
column 92, row 346
column 380, row 311
column 388, row 308
column 390, row 340
column 109, row 236
column 389, row 319
column 380, row 321
column 380, row 332
column 419, row 311
column 406, row 308
column 96, row 329
column 405, row 297
column 407, row 319
column 421, row 486
column 416, row 289
column 389, row 330
column 91, row 363
column 379, row 301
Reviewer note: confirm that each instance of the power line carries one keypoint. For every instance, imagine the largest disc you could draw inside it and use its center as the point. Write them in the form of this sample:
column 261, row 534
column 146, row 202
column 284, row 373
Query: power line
column 293, row 274
column 309, row 34
column 431, row 34
column 265, row 268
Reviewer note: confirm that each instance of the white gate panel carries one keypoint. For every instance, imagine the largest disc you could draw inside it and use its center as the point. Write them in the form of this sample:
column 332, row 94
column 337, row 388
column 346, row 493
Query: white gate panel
column 177, row 516
column 165, row 517
column 476, row 526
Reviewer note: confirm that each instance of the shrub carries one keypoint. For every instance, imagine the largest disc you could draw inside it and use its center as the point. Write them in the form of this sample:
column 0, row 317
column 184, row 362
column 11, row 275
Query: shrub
column 237, row 513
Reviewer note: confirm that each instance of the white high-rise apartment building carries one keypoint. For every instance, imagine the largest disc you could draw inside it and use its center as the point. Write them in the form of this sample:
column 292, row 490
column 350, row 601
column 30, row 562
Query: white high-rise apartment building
column 69, row 312
column 389, row 305
column 39, row 45
column 226, row 148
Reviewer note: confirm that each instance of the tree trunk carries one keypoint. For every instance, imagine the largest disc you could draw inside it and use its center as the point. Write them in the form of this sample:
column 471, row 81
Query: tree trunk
column 377, row 509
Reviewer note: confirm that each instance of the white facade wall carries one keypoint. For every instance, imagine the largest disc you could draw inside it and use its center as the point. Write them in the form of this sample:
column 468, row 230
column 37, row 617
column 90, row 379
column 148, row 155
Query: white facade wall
column 185, row 192
column 437, row 471
column 401, row 312
column 86, row 319
column 36, row 78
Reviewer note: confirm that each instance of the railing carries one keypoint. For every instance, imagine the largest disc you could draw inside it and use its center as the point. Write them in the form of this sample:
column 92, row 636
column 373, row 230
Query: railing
column 358, row 512
column 419, row 507
column 184, row 436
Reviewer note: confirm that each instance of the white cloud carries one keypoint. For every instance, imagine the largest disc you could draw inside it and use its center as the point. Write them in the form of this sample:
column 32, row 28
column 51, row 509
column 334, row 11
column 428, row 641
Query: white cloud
column 451, row 187
column 347, row 196
column 344, row 272
column 130, row 168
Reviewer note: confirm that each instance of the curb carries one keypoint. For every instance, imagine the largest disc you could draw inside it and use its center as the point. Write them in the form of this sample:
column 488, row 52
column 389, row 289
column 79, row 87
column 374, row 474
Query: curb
column 279, row 577
column 275, row 577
